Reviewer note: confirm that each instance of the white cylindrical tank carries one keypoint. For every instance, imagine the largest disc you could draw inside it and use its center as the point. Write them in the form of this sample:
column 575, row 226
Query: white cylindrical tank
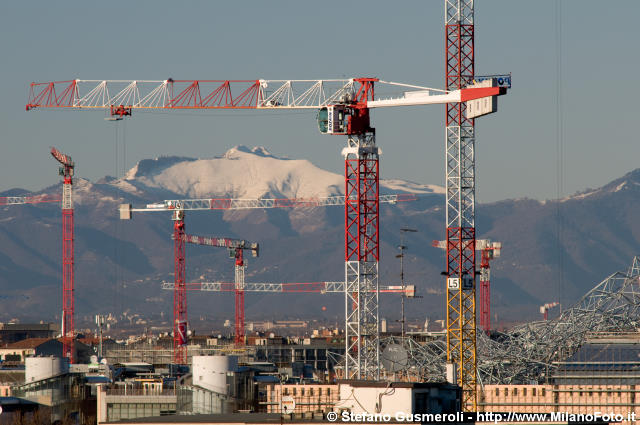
column 210, row 372
column 38, row 368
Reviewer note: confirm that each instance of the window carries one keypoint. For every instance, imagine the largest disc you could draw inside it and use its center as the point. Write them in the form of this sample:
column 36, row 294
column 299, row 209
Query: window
column 294, row 391
column 320, row 391
column 506, row 391
column 497, row 392
column 524, row 392
column 515, row 391
column 311, row 391
column 543, row 391
column 328, row 391
column 286, row 391
column 533, row 392
column 302, row 392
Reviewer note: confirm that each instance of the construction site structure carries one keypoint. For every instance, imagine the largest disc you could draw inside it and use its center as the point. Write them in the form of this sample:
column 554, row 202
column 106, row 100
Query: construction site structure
column 343, row 109
column 236, row 249
column 67, row 171
column 178, row 208
column 533, row 352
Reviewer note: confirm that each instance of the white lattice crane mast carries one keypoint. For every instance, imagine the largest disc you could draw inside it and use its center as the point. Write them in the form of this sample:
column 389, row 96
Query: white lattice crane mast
column 343, row 110
column 67, row 171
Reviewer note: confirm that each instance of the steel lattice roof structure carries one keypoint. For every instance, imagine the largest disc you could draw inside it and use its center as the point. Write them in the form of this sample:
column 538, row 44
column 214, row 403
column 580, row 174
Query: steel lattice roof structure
column 528, row 353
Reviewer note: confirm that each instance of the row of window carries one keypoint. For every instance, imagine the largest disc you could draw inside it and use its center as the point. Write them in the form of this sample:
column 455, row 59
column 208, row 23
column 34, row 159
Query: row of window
column 117, row 411
column 542, row 392
column 514, row 391
column 310, row 392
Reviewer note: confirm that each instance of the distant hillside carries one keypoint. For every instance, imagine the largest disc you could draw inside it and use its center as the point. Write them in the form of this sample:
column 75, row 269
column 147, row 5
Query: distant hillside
column 120, row 264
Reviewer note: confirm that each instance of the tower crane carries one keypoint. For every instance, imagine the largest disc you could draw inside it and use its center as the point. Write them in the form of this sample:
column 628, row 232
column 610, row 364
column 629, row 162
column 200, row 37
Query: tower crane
column 236, row 250
column 67, row 171
column 179, row 206
column 544, row 309
column 343, row 109
column 488, row 251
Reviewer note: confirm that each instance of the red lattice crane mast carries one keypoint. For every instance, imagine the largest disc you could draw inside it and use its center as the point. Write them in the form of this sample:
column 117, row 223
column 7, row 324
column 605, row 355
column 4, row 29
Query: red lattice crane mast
column 180, row 292
column 488, row 251
column 343, row 109
column 236, row 249
column 66, row 171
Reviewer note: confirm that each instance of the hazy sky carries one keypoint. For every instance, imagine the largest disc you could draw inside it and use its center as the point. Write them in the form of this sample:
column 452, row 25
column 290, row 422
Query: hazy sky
column 399, row 41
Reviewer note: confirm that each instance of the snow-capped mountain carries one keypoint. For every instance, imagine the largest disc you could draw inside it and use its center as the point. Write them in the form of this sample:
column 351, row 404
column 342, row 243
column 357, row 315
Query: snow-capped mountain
column 244, row 172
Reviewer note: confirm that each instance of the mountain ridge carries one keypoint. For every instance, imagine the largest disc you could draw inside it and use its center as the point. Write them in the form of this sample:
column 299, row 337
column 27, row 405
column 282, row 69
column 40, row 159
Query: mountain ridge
column 120, row 264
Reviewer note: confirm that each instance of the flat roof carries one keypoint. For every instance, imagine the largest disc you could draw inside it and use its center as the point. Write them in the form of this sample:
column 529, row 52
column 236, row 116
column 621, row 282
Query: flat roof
column 384, row 384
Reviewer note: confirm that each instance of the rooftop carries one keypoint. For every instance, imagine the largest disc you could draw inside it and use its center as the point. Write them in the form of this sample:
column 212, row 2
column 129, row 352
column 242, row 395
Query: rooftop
column 27, row 343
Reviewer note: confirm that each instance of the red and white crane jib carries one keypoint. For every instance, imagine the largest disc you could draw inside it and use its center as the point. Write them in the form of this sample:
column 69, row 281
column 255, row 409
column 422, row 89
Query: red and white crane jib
column 121, row 97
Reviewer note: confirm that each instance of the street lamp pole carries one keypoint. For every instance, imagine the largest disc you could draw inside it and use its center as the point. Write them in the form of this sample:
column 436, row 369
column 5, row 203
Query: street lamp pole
column 402, row 247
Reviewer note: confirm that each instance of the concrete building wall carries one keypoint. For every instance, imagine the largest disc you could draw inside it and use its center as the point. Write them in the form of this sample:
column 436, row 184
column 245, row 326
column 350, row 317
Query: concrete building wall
column 308, row 397
column 5, row 390
column 114, row 407
column 22, row 352
column 365, row 399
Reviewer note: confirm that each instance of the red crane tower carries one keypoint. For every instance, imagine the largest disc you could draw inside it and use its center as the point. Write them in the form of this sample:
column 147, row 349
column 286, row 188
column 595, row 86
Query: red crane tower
column 66, row 171
column 343, row 110
column 488, row 251
column 236, row 248
column 180, row 292
column 544, row 309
